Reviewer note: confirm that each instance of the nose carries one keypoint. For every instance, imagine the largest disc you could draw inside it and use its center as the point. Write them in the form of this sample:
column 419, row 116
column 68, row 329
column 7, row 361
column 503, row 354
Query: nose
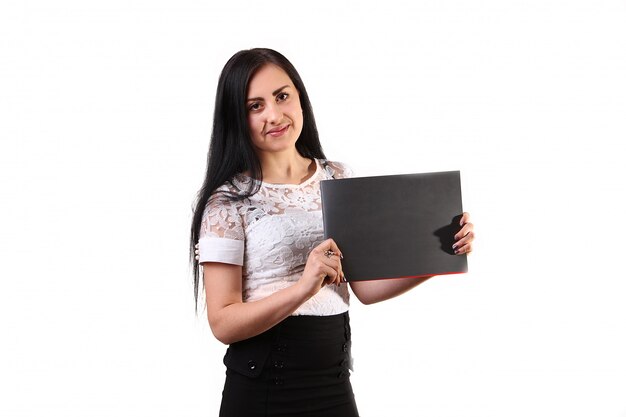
column 273, row 113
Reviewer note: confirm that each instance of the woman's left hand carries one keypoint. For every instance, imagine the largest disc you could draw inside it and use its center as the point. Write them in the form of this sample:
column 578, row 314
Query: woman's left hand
column 465, row 237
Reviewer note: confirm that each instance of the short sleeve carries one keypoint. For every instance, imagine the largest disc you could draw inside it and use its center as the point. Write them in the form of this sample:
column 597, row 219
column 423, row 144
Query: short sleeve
column 339, row 170
column 221, row 236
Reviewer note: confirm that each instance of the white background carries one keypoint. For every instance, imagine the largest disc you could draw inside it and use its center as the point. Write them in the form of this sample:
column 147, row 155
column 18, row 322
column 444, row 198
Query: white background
column 106, row 112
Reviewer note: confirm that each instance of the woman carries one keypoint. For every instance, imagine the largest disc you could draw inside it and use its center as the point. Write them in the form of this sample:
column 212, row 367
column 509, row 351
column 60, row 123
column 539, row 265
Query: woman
column 275, row 291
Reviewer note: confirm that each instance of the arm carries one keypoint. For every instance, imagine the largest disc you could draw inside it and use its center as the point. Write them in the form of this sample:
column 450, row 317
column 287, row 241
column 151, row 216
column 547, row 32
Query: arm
column 232, row 320
column 370, row 292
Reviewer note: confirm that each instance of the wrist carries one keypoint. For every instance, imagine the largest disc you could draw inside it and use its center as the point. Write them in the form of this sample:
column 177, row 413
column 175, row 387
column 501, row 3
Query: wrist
column 303, row 291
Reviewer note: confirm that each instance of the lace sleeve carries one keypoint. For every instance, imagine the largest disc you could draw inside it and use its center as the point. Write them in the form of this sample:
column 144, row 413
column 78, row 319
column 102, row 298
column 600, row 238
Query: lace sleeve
column 339, row 170
column 221, row 232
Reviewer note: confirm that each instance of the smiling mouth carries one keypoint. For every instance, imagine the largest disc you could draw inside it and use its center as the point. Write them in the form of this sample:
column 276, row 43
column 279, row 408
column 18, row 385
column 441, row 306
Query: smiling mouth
column 278, row 132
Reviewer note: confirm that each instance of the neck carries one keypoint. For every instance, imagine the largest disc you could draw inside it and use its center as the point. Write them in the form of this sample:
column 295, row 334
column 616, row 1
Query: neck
column 285, row 167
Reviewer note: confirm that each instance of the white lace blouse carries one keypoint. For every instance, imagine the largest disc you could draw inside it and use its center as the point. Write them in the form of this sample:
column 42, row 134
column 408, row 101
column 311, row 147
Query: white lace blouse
column 271, row 234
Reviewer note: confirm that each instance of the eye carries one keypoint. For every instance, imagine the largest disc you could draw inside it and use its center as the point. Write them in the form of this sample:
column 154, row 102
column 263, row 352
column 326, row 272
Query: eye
column 282, row 96
column 254, row 106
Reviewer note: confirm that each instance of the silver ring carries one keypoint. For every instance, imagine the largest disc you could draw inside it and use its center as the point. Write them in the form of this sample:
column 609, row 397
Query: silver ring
column 329, row 253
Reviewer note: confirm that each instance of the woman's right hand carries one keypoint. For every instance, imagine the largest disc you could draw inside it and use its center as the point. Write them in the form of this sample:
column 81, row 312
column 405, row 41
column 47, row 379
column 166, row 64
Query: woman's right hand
column 323, row 267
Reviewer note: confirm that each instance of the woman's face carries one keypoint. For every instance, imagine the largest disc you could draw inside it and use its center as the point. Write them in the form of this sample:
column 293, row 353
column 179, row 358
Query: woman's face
column 274, row 112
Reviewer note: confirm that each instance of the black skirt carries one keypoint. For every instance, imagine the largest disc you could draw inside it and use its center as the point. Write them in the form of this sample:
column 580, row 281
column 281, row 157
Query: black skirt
column 300, row 367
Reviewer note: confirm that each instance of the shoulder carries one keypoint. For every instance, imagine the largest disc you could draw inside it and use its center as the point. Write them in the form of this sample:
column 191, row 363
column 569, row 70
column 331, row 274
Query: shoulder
column 337, row 169
column 227, row 196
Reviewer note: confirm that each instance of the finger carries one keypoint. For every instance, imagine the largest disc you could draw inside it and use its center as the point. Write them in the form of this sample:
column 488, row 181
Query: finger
column 465, row 230
column 332, row 274
column 331, row 260
column 329, row 244
column 331, row 277
column 461, row 234
column 340, row 277
column 324, row 279
column 463, row 250
column 468, row 238
column 335, row 263
column 464, row 218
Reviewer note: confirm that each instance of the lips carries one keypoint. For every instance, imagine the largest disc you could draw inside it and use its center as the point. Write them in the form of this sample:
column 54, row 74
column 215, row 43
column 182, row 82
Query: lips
column 278, row 131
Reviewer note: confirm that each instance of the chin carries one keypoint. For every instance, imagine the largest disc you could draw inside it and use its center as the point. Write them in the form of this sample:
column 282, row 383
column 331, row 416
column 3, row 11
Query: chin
column 281, row 144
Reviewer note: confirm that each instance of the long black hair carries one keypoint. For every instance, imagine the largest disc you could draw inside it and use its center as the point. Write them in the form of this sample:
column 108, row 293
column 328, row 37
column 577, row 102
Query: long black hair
column 230, row 149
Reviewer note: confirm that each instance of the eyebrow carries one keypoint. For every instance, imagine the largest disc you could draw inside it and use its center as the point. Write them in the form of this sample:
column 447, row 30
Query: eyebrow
column 275, row 92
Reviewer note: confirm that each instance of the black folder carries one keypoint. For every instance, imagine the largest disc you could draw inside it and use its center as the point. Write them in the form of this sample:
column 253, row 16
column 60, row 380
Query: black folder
column 395, row 226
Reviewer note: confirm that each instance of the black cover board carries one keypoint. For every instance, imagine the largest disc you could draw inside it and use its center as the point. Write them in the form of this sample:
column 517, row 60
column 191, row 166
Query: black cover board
column 395, row 225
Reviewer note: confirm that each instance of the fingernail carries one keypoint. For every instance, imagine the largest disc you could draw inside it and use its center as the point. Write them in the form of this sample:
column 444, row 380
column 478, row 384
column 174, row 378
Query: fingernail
column 341, row 256
column 456, row 251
